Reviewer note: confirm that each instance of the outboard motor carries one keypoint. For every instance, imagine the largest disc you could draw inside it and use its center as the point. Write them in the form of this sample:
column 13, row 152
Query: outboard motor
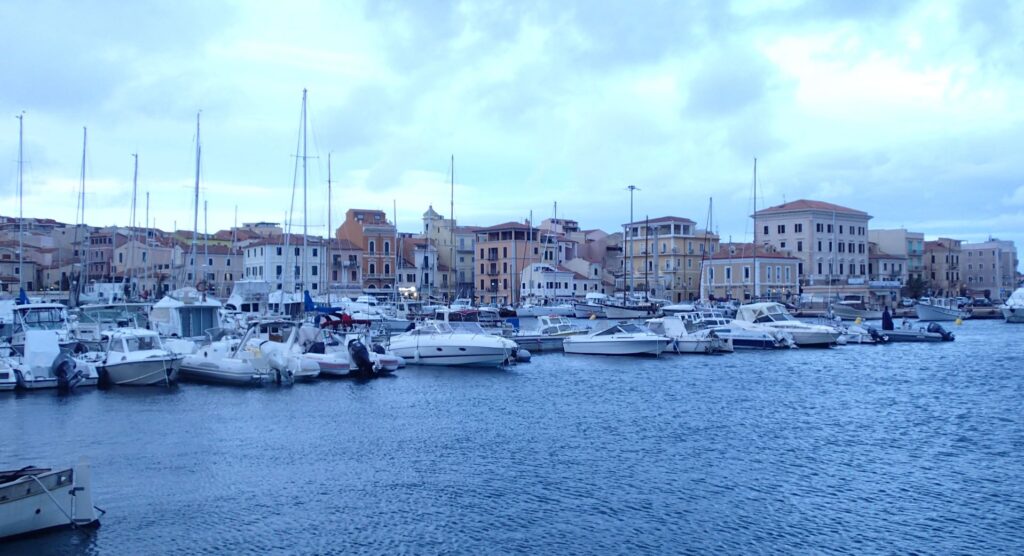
column 938, row 329
column 877, row 336
column 359, row 355
column 64, row 368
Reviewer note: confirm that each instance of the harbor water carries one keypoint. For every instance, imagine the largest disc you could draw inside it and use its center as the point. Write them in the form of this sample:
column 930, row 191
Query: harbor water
column 857, row 449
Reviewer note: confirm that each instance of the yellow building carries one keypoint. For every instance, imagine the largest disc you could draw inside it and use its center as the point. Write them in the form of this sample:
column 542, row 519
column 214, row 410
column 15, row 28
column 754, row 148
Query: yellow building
column 663, row 257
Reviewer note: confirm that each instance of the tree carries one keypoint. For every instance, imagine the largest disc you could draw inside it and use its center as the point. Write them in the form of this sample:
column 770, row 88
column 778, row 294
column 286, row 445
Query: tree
column 915, row 287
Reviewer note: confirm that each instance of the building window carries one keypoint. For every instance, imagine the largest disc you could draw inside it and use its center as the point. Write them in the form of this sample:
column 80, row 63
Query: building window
column 315, row 252
column 830, row 228
column 782, row 245
column 766, row 230
column 373, row 269
column 373, row 246
column 313, row 270
column 278, row 251
column 799, row 246
column 728, row 274
column 279, row 271
column 782, row 228
column 746, row 273
column 798, row 228
column 387, row 267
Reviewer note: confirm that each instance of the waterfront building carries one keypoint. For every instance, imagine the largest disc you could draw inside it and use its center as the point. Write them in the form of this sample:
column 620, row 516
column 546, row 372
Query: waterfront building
column 155, row 264
column 887, row 266
column 942, row 267
column 590, row 276
column 344, row 276
column 734, row 272
column 503, row 251
column 547, row 281
column 420, row 273
column 11, row 270
column 829, row 240
column 455, row 250
column 269, row 259
column 902, row 242
column 989, row 268
column 370, row 231
column 662, row 256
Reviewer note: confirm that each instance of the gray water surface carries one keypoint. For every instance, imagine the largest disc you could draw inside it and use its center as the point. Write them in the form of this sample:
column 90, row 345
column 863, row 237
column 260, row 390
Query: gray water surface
column 857, row 449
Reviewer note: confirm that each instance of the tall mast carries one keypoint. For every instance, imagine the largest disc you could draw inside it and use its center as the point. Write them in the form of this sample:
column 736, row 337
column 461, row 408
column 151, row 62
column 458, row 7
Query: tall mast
column 703, row 254
column 21, row 194
column 330, row 231
column 206, row 247
column 132, row 219
column 305, row 233
column 631, row 189
column 394, row 216
column 145, row 253
column 195, row 204
column 755, row 228
column 83, row 253
column 451, row 237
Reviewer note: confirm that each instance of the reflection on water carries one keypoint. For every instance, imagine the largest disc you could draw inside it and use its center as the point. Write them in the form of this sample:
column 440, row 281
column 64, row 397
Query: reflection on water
column 898, row 448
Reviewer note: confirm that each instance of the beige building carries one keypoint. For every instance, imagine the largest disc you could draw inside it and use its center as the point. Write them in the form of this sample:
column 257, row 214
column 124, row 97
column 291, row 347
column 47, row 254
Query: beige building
column 942, row 267
column 664, row 257
column 830, row 241
column 989, row 268
column 455, row 249
column 734, row 272
column 503, row 251
column 901, row 242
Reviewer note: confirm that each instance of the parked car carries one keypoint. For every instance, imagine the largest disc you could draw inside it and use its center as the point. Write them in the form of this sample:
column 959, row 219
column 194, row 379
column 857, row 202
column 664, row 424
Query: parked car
column 907, row 302
column 981, row 302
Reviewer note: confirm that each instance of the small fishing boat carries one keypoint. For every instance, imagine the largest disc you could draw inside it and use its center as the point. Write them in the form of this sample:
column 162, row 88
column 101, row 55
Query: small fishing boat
column 551, row 331
column 34, row 499
column 939, row 309
column 135, row 357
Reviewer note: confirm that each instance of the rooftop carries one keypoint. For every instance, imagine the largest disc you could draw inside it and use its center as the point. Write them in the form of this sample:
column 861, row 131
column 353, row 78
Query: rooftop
column 808, row 205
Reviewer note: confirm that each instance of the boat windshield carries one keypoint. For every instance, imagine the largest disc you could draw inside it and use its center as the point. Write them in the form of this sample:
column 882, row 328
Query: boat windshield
column 142, row 343
column 433, row 327
column 468, row 328
column 50, row 318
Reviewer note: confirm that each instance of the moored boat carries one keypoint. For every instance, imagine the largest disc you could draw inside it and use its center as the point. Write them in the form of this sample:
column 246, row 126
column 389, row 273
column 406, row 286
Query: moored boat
column 939, row 309
column 36, row 499
column 1013, row 309
column 776, row 316
column 619, row 338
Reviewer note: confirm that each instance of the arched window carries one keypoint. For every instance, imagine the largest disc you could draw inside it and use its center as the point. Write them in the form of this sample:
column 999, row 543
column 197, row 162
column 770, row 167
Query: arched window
column 373, row 269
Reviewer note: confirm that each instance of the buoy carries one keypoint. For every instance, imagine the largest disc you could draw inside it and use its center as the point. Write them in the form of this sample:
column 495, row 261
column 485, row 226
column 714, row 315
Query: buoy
column 593, row 316
column 857, row 321
column 959, row 321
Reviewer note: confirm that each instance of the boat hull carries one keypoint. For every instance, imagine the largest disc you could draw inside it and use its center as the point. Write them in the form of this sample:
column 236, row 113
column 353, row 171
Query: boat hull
column 620, row 312
column 813, row 338
column 1013, row 315
column 452, row 355
column 937, row 313
column 539, row 342
column 846, row 312
column 588, row 310
column 25, row 507
column 148, row 372
column 617, row 347
column 233, row 372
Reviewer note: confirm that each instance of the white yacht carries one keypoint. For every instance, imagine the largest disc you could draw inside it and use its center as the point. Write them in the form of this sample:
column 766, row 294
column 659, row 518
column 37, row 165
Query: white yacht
column 776, row 316
column 939, row 309
column 621, row 338
column 345, row 354
column 549, row 334
column 687, row 336
column 136, row 357
column 1013, row 309
column 435, row 342
column 35, row 499
column 743, row 335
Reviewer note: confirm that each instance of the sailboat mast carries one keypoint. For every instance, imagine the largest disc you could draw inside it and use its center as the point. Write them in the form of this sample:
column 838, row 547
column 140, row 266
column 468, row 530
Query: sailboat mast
column 305, row 231
column 133, row 220
column 330, row 231
column 755, row 228
column 21, row 195
column 451, row 235
column 206, row 246
column 195, row 203
column 80, row 222
column 145, row 253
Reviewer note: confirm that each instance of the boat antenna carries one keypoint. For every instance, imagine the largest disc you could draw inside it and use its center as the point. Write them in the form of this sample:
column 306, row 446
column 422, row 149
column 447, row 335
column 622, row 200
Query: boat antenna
column 754, row 254
column 195, row 202
column 451, row 236
column 632, row 189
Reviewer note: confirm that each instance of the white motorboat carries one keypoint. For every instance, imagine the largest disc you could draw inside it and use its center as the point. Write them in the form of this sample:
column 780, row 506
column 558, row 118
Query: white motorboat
column 592, row 307
column 435, row 342
column 550, row 332
column 854, row 307
column 621, row 338
column 8, row 375
column 41, row 317
column 235, row 361
column 630, row 310
column 136, row 357
column 541, row 309
column 45, row 365
column 934, row 332
column 687, row 337
column 34, row 500
column 1013, row 309
column 939, row 309
column 776, row 316
column 91, row 321
column 279, row 341
column 743, row 335
column 345, row 355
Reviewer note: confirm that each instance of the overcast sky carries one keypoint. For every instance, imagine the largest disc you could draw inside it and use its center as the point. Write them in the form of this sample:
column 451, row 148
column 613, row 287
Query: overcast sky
column 909, row 111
